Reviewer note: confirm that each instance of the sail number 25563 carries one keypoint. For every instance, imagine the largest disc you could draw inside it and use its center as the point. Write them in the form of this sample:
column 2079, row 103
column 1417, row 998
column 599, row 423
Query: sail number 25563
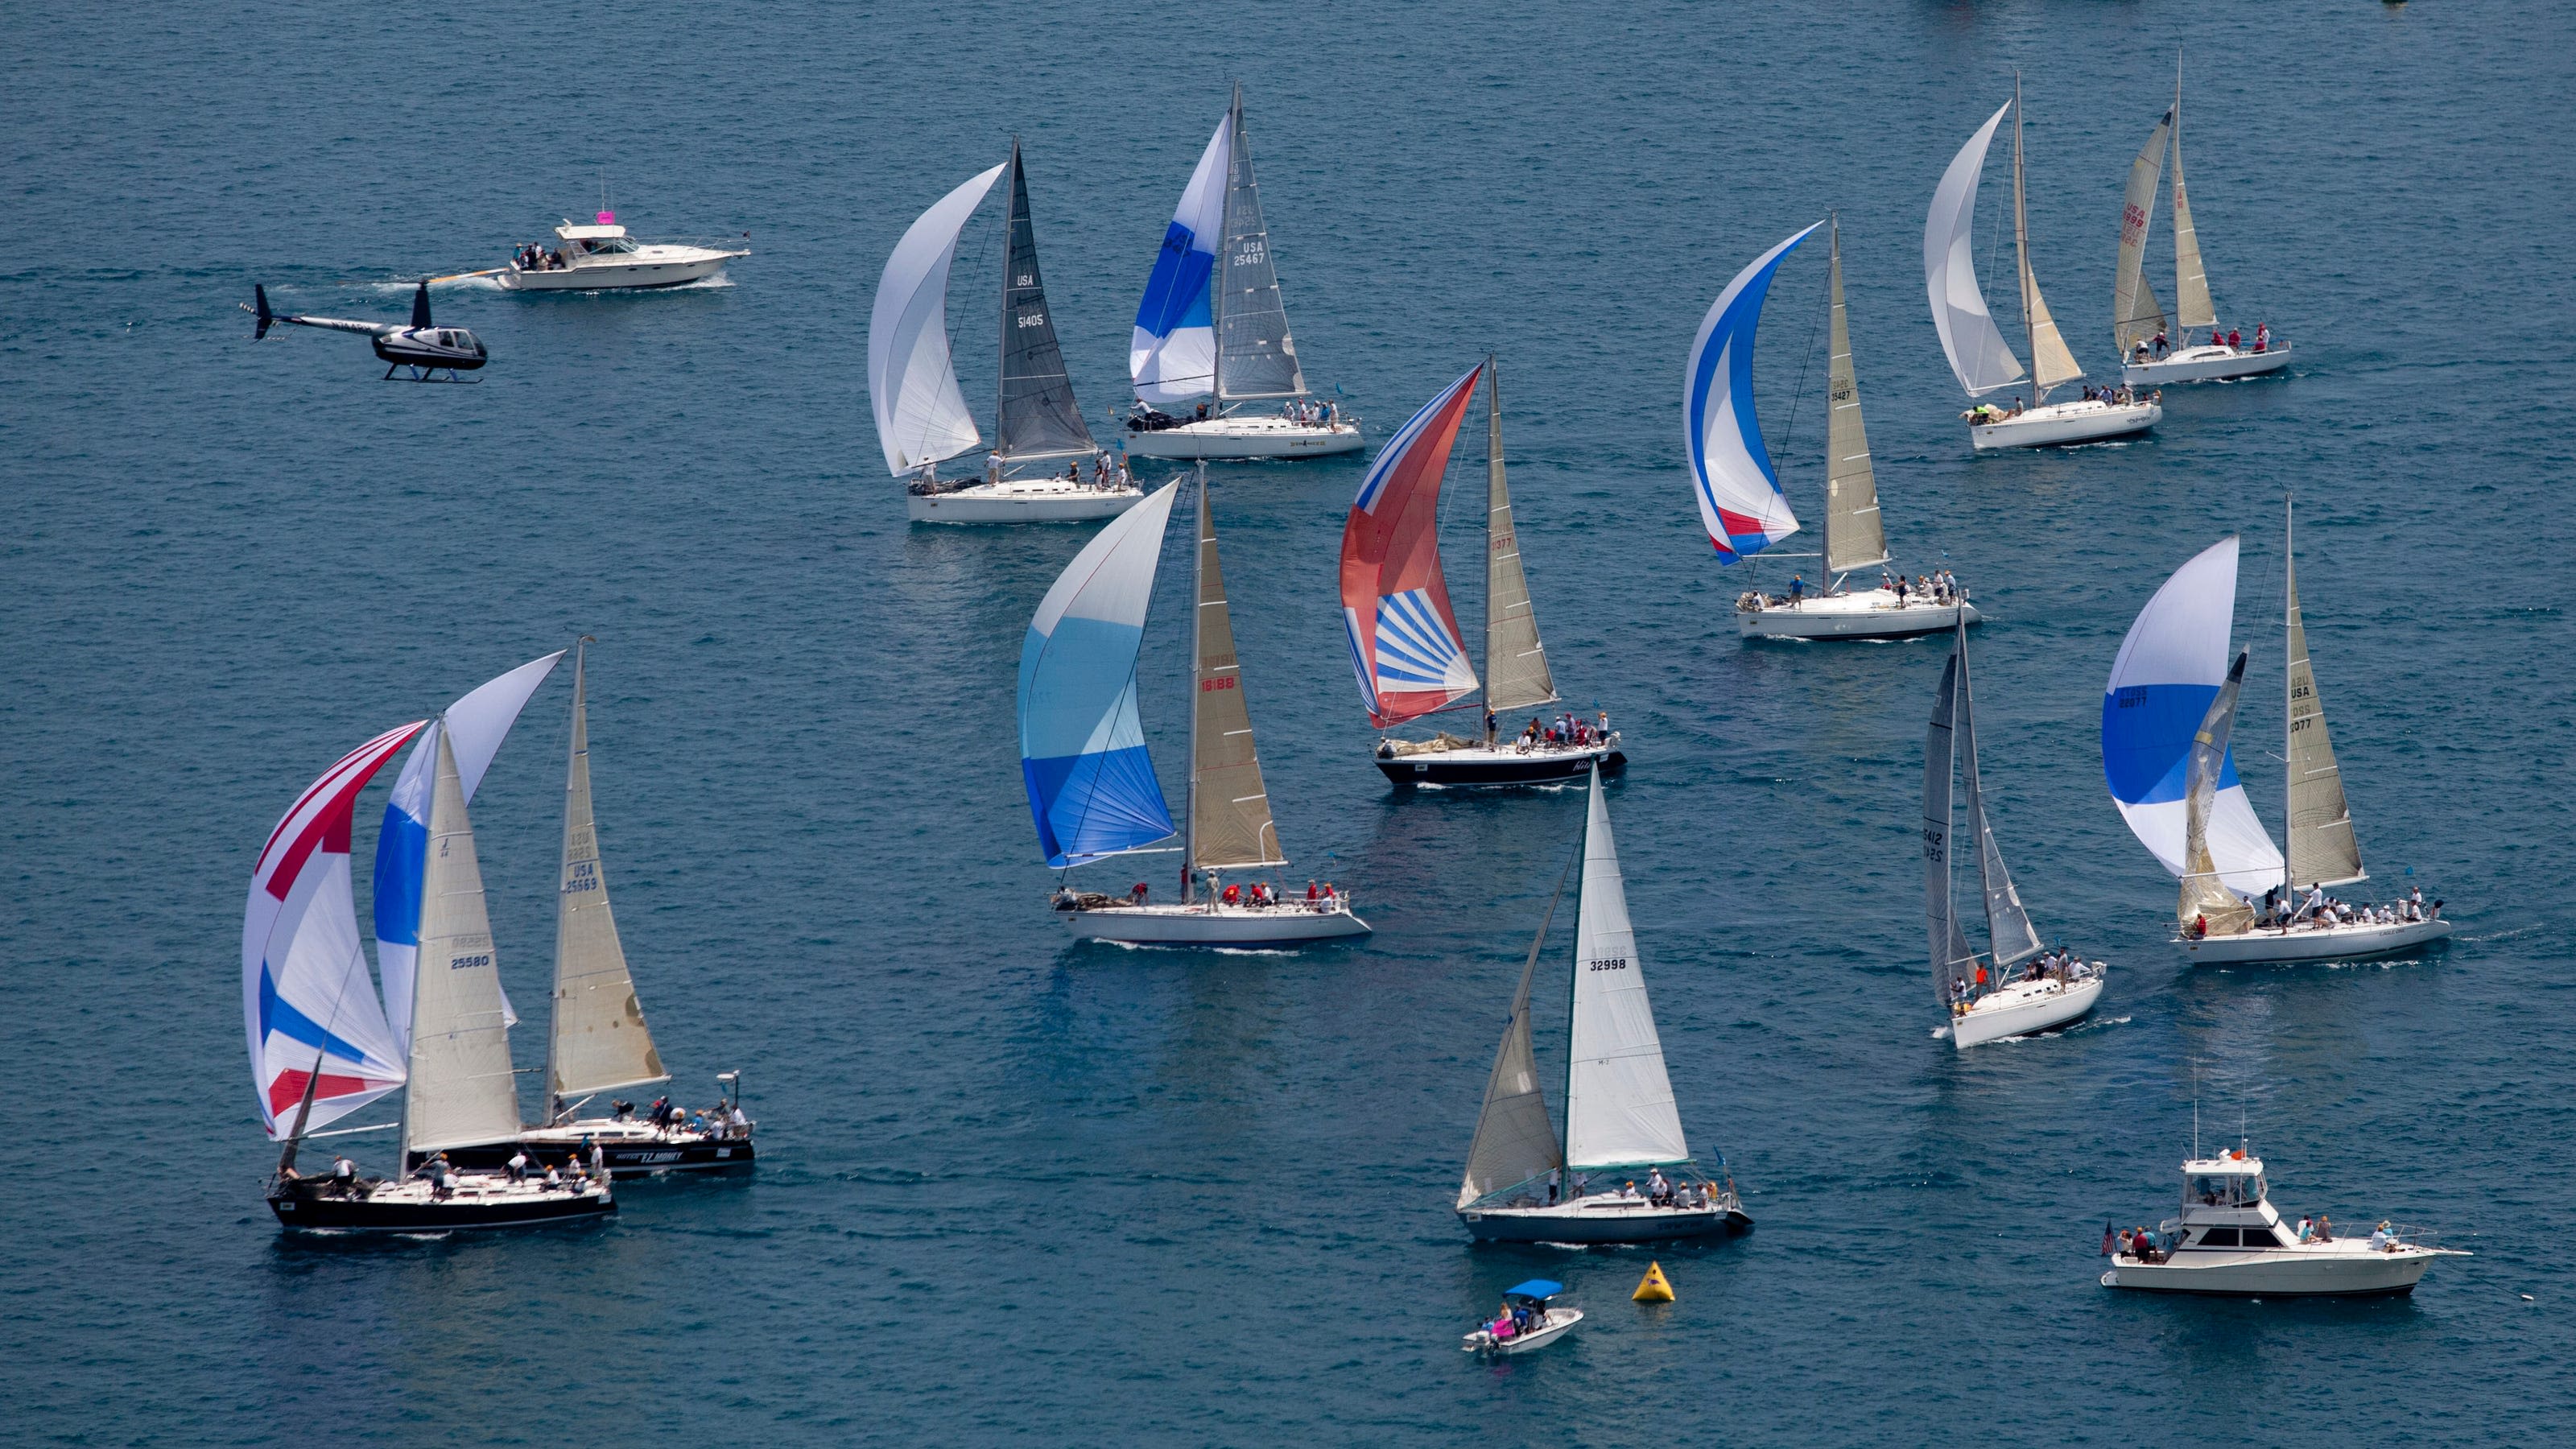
column 1607, row 963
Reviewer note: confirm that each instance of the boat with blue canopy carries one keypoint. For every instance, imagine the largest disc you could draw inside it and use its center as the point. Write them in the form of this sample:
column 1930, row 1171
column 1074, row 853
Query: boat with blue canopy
column 1529, row 1318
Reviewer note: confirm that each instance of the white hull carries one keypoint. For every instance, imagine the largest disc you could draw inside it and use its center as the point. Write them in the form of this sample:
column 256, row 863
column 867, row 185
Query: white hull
column 2337, row 1269
column 634, row 271
column 2205, row 364
column 1604, row 1218
column 1558, row 1320
column 2056, row 424
column 1035, row 500
column 1245, row 437
column 2026, row 1007
column 1215, row 924
column 2314, row 943
column 1858, row 614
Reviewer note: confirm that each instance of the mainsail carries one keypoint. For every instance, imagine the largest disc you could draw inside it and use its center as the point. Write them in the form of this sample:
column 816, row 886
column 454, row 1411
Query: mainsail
column 2136, row 315
column 1854, row 535
column 2050, row 362
column 1036, row 416
column 2192, row 306
column 2323, row 848
column 1230, row 823
column 1405, row 644
column 912, row 381
column 462, row 1092
column 1515, row 1141
column 2008, row 928
column 1255, row 357
column 1619, row 1108
column 1516, row 672
column 1979, row 357
column 1740, row 504
column 597, row 1041
column 1947, row 944
column 2203, row 898
column 1171, row 354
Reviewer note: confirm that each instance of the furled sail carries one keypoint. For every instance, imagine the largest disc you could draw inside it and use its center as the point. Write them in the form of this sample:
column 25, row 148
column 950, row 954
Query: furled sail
column 2323, row 848
column 2136, row 315
column 1230, row 823
column 1255, row 357
column 1978, row 355
column 307, row 1005
column 1405, row 644
column 2192, row 307
column 1619, row 1108
column 462, row 1092
column 1952, row 960
column 1516, row 672
column 912, row 380
column 597, row 1041
column 2008, row 928
column 2050, row 362
column 1515, row 1141
column 1036, row 416
column 2168, row 671
column 1740, row 503
column 475, row 726
column 1171, row 355
column 2203, row 898
column 1854, row 535
column 1091, row 785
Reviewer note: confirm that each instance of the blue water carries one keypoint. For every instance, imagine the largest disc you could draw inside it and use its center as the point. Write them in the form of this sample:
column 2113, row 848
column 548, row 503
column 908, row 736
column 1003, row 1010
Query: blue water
column 1011, row 1188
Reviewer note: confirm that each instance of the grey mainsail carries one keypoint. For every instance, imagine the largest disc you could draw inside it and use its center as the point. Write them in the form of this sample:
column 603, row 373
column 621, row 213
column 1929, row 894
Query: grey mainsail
column 1515, row 1141
column 2203, row 896
column 2192, row 306
column 2136, row 315
column 1230, row 821
column 461, row 1092
column 2008, row 928
column 1255, row 357
column 2050, row 362
column 2323, row 848
column 1516, row 672
column 598, row 1041
column 1036, row 416
column 1945, row 944
column 1854, row 535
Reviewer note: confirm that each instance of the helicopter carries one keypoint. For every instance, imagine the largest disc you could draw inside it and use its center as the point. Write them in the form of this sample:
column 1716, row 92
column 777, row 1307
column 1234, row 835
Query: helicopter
column 424, row 347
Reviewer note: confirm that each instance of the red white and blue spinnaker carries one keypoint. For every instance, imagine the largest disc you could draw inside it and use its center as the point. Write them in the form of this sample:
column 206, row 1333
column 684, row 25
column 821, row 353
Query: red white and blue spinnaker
column 1740, row 503
column 1405, row 644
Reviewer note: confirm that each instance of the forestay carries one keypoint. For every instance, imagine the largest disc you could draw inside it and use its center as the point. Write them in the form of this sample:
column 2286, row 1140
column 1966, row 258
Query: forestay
column 1091, row 785
column 462, row 1092
column 306, row 1002
column 1405, row 644
column 1740, row 504
column 1978, row 355
column 2008, row 930
column 912, row 380
column 2136, row 315
column 1515, row 1141
column 2203, row 900
column 2323, row 847
column 1171, row 355
column 1855, row 536
column 1619, row 1108
column 597, row 1041
column 2050, row 361
column 1230, row 823
column 1516, row 672
column 1035, row 415
column 1255, row 357
column 1946, row 944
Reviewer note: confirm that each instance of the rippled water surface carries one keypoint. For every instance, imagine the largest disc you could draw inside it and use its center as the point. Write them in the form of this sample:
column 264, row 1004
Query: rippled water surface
column 1013, row 1188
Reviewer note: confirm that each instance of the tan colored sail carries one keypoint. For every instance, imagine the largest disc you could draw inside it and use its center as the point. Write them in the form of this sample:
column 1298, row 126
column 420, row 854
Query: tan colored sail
column 599, row 1041
column 462, row 1092
column 2323, row 847
column 1229, row 807
column 1515, row 1142
column 1516, row 673
column 2136, row 315
column 2050, row 362
column 2192, row 307
column 1854, row 537
column 2204, row 897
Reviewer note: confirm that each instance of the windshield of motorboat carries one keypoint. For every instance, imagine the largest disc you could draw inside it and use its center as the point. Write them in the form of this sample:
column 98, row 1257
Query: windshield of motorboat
column 2222, row 1190
column 607, row 245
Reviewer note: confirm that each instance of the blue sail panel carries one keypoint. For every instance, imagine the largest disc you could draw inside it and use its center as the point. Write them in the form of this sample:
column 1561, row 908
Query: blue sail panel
column 1171, row 355
column 1740, row 503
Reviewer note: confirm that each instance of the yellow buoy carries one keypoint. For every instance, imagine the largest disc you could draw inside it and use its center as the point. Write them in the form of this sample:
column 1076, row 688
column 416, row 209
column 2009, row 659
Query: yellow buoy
column 1653, row 1288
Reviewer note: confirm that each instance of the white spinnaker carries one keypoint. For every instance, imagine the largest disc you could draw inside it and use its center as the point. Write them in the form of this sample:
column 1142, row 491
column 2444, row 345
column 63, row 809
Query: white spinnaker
column 912, row 382
column 598, row 1041
column 1979, row 357
column 1619, row 1108
column 461, row 1092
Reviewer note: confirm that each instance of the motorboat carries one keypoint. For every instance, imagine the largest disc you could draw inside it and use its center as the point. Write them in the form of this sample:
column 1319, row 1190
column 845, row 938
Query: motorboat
column 1406, row 646
column 1979, row 357
column 1531, row 1316
column 1044, row 466
column 1091, row 785
column 601, row 257
column 2148, row 356
column 2230, row 1240
column 1527, row 1184
column 1983, row 1000
column 1211, row 332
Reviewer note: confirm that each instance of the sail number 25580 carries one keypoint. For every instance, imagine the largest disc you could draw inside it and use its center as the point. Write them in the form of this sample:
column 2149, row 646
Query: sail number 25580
column 1608, row 963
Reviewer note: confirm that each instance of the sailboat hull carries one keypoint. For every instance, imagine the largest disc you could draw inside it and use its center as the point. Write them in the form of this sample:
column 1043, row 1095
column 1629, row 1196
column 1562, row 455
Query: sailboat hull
column 1860, row 614
column 410, row 1207
column 1226, row 438
column 2055, row 425
column 1036, row 500
column 1215, row 924
column 2020, row 1010
column 2314, row 943
column 1604, row 1219
column 1475, row 765
column 626, row 1149
column 2205, row 364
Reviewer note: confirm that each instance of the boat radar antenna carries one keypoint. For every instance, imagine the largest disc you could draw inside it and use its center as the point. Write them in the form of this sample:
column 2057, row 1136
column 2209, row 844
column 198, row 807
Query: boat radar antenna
column 2195, row 1129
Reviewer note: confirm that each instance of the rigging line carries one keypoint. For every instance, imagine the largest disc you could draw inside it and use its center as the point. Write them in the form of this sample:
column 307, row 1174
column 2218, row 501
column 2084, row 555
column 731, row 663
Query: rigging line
column 1789, row 432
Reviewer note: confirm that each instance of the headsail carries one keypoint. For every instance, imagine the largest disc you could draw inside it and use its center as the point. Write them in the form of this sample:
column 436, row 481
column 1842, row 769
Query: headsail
column 1404, row 637
column 2008, row 928
column 597, row 1040
column 1171, row 355
column 306, row 1000
column 1854, row 534
column 1515, row 1141
column 2050, row 362
column 2168, row 671
column 2204, row 899
column 1979, row 357
column 1516, row 672
column 1731, row 475
column 1230, row 823
column 1255, row 357
column 1036, row 416
column 912, row 381
column 2192, row 307
column 1951, row 958
column 1091, row 785
column 462, row 1092
column 2136, row 315
column 1619, row 1108
column 2323, row 848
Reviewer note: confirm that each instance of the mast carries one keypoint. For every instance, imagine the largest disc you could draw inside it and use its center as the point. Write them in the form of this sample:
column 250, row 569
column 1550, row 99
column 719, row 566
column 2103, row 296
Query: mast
column 2289, row 668
column 1198, row 628
column 2021, row 250
column 1493, row 498
column 1225, row 248
column 1002, row 322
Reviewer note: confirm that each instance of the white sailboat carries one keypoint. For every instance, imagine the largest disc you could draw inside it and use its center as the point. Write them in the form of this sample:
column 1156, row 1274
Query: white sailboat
column 1091, row 784
column 1211, row 333
column 1983, row 1001
column 1525, row 1185
column 1855, row 531
column 2148, row 356
column 1978, row 354
column 921, row 415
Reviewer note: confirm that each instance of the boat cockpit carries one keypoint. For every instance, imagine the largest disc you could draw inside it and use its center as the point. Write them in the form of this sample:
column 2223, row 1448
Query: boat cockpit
column 594, row 241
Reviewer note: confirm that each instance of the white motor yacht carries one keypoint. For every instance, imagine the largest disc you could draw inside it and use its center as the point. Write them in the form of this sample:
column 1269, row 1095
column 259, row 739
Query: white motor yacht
column 602, row 258
column 2229, row 1240
column 2138, row 323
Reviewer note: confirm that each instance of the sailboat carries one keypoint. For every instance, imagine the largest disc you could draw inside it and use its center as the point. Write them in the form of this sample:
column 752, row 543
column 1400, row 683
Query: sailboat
column 1740, row 500
column 1981, row 1003
column 1526, row 1185
column 2137, row 318
column 1406, row 646
column 1979, row 356
column 1044, row 466
column 1091, row 785
column 2167, row 719
column 1211, row 330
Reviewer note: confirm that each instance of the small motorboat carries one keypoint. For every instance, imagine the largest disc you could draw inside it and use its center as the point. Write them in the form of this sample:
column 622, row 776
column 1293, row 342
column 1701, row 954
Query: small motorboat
column 601, row 257
column 1531, row 1323
column 2229, row 1240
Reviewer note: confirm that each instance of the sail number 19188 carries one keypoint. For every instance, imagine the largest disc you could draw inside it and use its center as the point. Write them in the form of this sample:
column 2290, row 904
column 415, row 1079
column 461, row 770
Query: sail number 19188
column 1608, row 963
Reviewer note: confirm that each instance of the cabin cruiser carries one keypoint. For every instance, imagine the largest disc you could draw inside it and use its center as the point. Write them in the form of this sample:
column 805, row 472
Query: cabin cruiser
column 2230, row 1240
column 1527, row 1321
column 602, row 258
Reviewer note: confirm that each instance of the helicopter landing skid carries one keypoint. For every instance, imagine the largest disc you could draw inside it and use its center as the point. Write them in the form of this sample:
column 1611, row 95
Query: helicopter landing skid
column 428, row 374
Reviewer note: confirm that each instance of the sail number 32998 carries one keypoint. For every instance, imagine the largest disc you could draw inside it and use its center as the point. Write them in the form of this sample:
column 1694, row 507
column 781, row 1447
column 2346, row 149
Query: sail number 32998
column 1608, row 963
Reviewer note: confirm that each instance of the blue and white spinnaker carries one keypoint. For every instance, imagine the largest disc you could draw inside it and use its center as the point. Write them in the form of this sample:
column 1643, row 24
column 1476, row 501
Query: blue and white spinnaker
column 1731, row 475
column 1172, row 353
